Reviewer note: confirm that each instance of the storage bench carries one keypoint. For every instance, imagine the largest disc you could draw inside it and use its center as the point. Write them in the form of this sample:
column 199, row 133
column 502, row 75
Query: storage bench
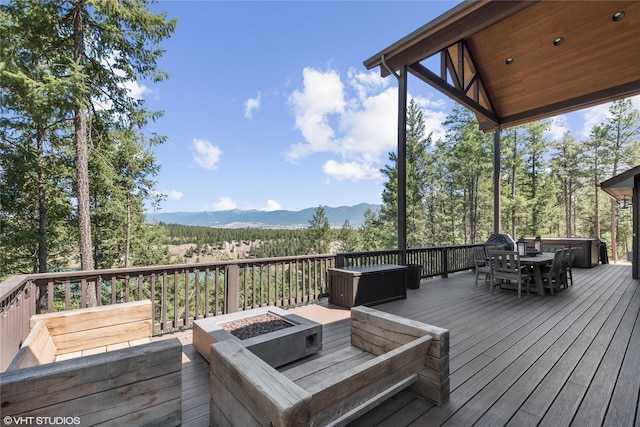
column 367, row 285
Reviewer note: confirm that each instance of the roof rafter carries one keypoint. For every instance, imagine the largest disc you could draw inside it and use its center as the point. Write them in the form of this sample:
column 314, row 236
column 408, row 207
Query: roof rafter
column 513, row 62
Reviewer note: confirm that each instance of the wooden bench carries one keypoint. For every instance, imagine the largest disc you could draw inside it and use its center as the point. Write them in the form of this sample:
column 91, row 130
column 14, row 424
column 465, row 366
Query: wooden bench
column 98, row 364
column 388, row 354
column 58, row 336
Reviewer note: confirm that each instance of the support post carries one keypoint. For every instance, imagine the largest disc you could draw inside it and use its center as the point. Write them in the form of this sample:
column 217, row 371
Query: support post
column 497, row 222
column 402, row 164
column 635, row 245
column 232, row 287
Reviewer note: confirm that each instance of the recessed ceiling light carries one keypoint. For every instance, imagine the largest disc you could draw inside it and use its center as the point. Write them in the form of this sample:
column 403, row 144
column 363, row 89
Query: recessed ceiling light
column 558, row 41
column 617, row 16
column 509, row 61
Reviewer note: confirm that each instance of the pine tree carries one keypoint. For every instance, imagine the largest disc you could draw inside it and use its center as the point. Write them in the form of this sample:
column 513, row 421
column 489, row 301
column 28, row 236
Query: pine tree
column 534, row 184
column 595, row 154
column 623, row 144
column 470, row 166
column 514, row 204
column 372, row 232
column 565, row 166
column 33, row 165
column 416, row 181
column 319, row 232
column 78, row 58
column 348, row 238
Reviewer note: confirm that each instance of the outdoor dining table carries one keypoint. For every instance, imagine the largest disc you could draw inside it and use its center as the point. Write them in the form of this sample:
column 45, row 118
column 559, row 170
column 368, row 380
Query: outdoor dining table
column 537, row 262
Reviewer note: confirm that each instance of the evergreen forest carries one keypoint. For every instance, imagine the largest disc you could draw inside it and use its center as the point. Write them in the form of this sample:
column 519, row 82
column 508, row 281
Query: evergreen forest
column 77, row 161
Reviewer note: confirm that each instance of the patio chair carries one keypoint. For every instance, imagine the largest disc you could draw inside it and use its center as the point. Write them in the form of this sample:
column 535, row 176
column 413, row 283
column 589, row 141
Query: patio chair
column 505, row 267
column 481, row 263
column 553, row 276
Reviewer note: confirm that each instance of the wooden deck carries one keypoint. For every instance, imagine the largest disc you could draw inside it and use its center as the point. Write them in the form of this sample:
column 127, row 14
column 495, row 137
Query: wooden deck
column 570, row 359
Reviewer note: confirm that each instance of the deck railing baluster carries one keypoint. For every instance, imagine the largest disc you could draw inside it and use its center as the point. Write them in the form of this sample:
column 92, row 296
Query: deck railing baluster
column 152, row 295
column 196, row 284
column 67, row 294
column 50, row 290
column 163, row 301
column 229, row 286
column 176, row 299
column 187, row 299
column 215, row 291
column 140, row 287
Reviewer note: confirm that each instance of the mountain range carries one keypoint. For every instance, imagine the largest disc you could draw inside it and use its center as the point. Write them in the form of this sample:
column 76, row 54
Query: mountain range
column 237, row 218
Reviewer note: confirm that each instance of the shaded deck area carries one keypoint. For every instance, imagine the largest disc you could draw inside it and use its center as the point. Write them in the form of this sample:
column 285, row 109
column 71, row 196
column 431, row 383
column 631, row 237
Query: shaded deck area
column 570, row 359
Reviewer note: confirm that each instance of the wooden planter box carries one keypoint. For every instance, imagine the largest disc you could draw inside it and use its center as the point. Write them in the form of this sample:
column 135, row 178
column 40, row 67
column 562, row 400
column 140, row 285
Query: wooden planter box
column 96, row 365
column 367, row 285
column 393, row 353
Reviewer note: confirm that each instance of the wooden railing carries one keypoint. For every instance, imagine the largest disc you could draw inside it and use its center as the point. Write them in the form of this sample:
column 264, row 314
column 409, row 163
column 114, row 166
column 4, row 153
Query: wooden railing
column 182, row 293
column 435, row 261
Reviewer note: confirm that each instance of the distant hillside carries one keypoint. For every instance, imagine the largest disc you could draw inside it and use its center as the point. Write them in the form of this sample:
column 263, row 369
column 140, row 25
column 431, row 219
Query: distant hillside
column 254, row 218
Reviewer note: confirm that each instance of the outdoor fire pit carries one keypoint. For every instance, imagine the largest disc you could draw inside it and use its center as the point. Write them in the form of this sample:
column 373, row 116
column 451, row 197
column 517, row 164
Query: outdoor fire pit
column 274, row 335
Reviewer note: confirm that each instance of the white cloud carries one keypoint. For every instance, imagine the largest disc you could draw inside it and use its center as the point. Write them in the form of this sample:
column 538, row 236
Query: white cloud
column 169, row 194
column 136, row 90
column 272, row 205
column 593, row 116
column 207, row 154
column 252, row 104
column 557, row 128
column 352, row 171
column 174, row 194
column 355, row 122
column 321, row 98
column 224, row 204
column 366, row 83
column 599, row 114
column 434, row 113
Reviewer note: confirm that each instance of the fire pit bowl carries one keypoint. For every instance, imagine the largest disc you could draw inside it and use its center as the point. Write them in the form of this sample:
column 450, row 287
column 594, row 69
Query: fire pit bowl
column 278, row 347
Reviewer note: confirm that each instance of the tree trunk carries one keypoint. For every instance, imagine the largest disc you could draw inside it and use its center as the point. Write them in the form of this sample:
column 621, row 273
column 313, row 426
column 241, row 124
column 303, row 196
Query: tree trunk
column 614, row 231
column 566, row 188
column 42, row 205
column 42, row 220
column 82, row 162
column 534, row 193
column 596, row 224
column 513, row 184
column 127, row 246
column 568, row 191
column 614, row 220
column 465, row 213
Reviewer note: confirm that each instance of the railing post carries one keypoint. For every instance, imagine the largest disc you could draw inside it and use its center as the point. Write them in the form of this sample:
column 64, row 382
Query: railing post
column 340, row 260
column 445, row 263
column 231, row 288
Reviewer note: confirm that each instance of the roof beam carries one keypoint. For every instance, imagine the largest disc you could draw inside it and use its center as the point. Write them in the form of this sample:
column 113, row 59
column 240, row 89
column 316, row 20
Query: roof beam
column 577, row 103
column 429, row 77
column 462, row 21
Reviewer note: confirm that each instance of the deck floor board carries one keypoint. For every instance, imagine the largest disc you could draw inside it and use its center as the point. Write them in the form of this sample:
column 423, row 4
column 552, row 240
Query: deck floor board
column 567, row 359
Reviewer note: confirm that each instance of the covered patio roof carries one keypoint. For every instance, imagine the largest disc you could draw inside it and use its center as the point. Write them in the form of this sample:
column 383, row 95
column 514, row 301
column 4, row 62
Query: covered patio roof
column 626, row 186
column 621, row 186
column 512, row 62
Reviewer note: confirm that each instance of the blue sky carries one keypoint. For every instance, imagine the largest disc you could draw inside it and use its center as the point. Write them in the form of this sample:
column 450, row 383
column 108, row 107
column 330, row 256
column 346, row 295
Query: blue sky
column 268, row 105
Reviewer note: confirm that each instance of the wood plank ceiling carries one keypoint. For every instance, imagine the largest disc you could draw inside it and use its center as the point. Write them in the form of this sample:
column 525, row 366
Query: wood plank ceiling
column 515, row 62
